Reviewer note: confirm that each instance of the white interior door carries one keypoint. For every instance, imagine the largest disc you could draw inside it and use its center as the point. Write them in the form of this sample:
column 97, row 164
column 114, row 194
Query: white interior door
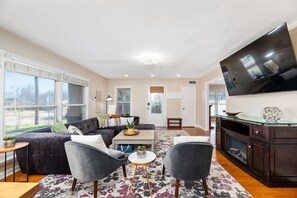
column 156, row 105
column 188, row 105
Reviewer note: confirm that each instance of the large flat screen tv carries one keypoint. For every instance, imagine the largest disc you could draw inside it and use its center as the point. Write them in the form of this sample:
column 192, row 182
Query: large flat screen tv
column 266, row 65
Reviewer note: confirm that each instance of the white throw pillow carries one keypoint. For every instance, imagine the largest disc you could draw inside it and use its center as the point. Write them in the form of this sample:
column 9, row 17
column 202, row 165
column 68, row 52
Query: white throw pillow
column 92, row 140
column 182, row 139
column 125, row 120
column 73, row 129
column 113, row 122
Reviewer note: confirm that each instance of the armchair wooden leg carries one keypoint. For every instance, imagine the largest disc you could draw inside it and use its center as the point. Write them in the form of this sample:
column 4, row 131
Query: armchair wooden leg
column 73, row 186
column 95, row 188
column 176, row 187
column 205, row 186
column 163, row 171
column 124, row 171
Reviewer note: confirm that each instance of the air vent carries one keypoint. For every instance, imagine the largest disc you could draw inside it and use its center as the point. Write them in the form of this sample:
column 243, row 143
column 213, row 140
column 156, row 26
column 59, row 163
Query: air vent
column 192, row 82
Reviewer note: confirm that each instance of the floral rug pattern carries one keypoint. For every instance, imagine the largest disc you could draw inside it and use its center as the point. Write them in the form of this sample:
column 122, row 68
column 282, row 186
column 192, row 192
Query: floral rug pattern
column 220, row 182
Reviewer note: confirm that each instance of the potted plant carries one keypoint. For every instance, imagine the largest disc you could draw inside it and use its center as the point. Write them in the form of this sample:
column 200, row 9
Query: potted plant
column 141, row 151
column 130, row 126
column 8, row 141
column 127, row 115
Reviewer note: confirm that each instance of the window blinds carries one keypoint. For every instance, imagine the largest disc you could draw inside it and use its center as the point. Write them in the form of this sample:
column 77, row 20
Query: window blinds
column 24, row 68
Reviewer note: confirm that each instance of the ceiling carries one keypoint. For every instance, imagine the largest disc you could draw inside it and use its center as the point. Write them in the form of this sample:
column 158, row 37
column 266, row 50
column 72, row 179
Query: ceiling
column 110, row 37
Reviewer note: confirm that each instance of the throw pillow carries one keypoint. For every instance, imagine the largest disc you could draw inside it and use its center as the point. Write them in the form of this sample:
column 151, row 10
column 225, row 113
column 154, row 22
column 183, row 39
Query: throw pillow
column 59, row 127
column 92, row 140
column 113, row 122
column 74, row 129
column 125, row 120
column 101, row 118
column 182, row 139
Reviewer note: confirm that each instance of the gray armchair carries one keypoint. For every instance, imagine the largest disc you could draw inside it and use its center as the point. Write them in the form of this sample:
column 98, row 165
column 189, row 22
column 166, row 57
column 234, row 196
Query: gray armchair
column 188, row 161
column 91, row 164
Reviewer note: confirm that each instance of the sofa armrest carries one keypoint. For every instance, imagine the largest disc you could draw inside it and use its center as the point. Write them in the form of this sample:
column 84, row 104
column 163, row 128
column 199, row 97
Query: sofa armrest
column 46, row 153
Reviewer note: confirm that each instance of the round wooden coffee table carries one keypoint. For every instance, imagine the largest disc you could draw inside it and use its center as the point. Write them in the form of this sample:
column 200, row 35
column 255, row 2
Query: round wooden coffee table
column 135, row 160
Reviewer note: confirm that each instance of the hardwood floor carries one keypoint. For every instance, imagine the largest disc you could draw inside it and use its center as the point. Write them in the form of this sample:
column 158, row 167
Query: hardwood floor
column 255, row 188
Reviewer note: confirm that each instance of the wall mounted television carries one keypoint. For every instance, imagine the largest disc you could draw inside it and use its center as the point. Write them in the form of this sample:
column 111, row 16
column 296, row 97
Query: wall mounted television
column 266, row 65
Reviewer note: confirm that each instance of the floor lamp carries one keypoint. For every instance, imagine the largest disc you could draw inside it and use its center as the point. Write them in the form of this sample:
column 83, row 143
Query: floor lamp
column 109, row 98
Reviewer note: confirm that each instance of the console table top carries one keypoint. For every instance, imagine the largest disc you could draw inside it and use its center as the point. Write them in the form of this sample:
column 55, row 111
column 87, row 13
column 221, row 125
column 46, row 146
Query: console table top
column 259, row 120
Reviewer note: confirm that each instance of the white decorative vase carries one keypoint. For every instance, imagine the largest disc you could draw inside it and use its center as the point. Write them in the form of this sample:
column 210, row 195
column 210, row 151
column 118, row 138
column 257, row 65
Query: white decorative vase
column 8, row 143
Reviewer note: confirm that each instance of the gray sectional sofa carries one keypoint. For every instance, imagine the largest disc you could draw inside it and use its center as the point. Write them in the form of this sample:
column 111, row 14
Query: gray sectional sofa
column 46, row 150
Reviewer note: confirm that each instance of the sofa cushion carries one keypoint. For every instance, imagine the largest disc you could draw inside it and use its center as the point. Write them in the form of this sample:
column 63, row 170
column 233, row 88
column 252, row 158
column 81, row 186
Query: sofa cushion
column 59, row 127
column 92, row 140
column 74, row 129
column 125, row 120
column 107, row 135
column 101, row 118
column 86, row 126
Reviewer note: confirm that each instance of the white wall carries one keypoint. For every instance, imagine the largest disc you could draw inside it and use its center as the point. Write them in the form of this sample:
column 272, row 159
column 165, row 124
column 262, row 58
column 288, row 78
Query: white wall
column 19, row 46
column 139, row 94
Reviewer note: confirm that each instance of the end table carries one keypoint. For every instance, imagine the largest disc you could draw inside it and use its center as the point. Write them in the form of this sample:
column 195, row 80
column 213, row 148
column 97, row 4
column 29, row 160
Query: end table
column 135, row 160
column 18, row 146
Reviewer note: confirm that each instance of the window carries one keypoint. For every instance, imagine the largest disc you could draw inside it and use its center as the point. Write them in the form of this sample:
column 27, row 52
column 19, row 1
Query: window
column 218, row 100
column 36, row 95
column 74, row 108
column 123, row 100
column 29, row 103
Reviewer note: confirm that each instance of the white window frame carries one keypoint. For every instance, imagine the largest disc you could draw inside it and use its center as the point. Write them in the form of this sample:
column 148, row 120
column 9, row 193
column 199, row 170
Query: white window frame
column 131, row 94
column 7, row 56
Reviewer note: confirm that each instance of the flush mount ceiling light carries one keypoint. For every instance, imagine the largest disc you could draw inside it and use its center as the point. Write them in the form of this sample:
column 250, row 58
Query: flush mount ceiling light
column 147, row 60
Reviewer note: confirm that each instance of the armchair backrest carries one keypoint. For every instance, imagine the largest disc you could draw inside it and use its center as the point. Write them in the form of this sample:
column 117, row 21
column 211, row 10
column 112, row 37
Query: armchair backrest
column 88, row 163
column 189, row 161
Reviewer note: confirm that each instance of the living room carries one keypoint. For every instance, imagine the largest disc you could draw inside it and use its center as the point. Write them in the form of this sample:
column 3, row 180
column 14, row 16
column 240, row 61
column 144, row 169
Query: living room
column 106, row 47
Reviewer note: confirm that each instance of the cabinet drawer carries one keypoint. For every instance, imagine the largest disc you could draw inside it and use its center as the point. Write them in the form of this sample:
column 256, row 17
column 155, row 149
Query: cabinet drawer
column 259, row 133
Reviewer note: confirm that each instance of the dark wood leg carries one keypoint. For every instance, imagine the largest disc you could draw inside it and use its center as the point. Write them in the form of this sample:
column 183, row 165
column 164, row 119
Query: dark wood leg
column 124, row 170
column 95, row 188
column 205, row 186
column 163, row 171
column 73, row 185
column 176, row 187
column 13, row 168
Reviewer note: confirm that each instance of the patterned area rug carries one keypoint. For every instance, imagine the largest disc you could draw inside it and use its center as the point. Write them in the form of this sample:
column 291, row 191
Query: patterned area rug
column 220, row 182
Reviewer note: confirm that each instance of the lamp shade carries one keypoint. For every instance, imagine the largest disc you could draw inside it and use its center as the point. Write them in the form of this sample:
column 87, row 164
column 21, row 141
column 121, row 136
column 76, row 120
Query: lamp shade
column 109, row 98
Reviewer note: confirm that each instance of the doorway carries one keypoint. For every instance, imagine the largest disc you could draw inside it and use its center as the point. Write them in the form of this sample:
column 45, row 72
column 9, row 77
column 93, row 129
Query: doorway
column 215, row 100
column 188, row 105
column 156, row 105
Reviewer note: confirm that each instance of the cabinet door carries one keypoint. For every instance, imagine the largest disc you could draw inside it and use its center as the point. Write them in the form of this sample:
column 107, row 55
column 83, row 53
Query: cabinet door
column 283, row 163
column 218, row 138
column 258, row 158
column 218, row 133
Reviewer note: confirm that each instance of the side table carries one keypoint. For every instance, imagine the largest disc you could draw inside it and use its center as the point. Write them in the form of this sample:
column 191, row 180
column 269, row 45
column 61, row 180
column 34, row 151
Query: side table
column 174, row 122
column 13, row 149
column 135, row 160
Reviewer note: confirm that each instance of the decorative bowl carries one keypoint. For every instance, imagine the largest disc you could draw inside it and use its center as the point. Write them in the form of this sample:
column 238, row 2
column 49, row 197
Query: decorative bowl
column 232, row 113
column 131, row 132
column 8, row 143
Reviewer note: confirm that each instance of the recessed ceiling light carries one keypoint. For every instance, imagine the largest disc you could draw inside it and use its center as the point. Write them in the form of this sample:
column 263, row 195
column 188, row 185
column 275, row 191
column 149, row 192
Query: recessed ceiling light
column 152, row 75
column 126, row 75
column 178, row 75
